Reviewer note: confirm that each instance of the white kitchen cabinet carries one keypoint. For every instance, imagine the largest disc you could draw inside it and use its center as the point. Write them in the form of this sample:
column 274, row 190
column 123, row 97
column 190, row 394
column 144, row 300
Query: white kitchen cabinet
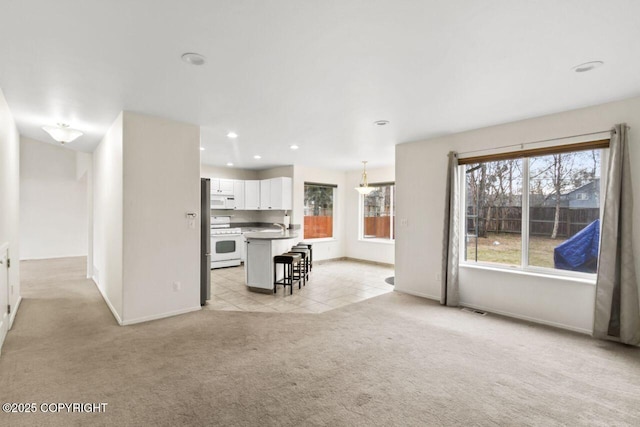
column 221, row 187
column 252, row 195
column 258, row 265
column 275, row 193
column 265, row 194
column 238, row 193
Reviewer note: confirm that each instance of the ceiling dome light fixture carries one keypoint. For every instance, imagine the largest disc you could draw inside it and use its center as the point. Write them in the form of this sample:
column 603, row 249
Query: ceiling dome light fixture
column 201, row 148
column 229, row 164
column 587, row 66
column 62, row 132
column 257, row 157
column 294, row 147
column 364, row 188
column 232, row 135
column 193, row 58
column 381, row 122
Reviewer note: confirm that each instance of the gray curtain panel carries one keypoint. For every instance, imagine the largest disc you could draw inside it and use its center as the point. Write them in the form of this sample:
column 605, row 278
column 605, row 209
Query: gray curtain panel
column 450, row 240
column 617, row 309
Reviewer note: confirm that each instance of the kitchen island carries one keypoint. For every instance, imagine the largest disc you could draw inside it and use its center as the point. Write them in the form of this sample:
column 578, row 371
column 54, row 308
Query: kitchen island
column 260, row 249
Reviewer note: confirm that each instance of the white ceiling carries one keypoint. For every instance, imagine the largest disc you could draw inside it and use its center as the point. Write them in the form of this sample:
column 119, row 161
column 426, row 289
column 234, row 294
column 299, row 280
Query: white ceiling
column 312, row 73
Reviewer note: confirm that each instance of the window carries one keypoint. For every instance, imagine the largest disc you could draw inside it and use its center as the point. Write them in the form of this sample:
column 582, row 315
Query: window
column 378, row 213
column 540, row 210
column 319, row 200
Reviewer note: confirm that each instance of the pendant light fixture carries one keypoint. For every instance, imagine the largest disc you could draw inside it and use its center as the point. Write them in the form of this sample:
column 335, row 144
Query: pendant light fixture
column 62, row 133
column 364, row 188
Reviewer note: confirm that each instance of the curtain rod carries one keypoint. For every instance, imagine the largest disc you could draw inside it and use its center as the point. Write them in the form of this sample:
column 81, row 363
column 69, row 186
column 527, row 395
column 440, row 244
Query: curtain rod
column 522, row 144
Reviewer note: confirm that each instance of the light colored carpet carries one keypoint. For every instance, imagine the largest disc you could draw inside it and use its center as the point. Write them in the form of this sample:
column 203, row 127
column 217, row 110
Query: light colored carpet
column 390, row 360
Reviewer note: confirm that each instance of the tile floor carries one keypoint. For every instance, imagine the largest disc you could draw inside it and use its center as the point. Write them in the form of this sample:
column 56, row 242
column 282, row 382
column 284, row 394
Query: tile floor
column 332, row 284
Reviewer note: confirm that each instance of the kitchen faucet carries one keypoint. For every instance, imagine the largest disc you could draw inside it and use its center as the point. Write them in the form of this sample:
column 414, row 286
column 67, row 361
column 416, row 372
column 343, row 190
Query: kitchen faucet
column 282, row 227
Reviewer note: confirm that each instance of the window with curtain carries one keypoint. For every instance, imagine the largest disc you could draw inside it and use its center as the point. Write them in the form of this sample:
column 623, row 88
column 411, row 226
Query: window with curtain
column 319, row 200
column 378, row 213
column 534, row 210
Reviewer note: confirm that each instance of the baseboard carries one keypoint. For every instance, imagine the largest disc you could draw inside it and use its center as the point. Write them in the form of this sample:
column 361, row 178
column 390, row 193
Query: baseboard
column 418, row 294
column 160, row 316
column 366, row 261
column 527, row 318
column 504, row 313
column 52, row 257
column 3, row 331
column 14, row 311
column 106, row 300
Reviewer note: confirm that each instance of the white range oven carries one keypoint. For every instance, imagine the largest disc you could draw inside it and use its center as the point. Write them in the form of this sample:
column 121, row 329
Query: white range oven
column 227, row 244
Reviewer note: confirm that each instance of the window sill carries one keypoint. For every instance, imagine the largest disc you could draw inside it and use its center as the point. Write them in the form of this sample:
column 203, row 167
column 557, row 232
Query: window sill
column 383, row 241
column 532, row 273
column 320, row 239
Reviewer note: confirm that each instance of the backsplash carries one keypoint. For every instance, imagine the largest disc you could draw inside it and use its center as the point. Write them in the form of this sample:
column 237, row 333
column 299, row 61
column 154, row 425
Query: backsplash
column 240, row 216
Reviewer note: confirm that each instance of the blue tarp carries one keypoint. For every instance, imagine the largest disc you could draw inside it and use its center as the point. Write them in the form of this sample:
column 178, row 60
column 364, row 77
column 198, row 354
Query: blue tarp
column 579, row 253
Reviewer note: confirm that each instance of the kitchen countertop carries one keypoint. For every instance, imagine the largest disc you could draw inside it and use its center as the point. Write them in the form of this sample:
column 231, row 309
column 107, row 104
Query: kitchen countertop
column 271, row 235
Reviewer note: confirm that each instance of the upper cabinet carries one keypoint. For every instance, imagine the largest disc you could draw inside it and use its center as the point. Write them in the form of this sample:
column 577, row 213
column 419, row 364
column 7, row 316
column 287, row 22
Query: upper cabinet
column 222, row 187
column 252, row 195
column 266, row 194
column 238, row 193
column 275, row 193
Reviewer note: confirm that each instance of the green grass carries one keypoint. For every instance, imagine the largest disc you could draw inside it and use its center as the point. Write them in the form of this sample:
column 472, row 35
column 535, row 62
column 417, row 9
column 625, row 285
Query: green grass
column 509, row 249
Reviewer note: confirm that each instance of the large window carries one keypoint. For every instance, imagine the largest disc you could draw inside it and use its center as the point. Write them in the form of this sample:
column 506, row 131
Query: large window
column 539, row 211
column 319, row 200
column 378, row 212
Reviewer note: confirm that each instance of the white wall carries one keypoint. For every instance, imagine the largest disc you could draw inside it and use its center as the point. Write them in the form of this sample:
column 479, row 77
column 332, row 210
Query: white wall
column 53, row 201
column 420, row 178
column 378, row 251
column 161, row 185
column 107, row 217
column 208, row 171
column 322, row 248
column 10, row 204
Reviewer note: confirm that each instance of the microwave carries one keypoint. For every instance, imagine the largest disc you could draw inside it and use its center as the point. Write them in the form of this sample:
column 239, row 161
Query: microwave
column 223, row 202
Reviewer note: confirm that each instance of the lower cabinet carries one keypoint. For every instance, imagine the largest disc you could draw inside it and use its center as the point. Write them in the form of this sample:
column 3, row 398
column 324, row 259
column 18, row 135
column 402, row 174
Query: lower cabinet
column 258, row 265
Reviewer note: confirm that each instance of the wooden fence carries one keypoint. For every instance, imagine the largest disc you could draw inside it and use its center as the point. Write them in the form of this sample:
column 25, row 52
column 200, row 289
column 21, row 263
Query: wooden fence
column 318, row 226
column 377, row 226
column 508, row 219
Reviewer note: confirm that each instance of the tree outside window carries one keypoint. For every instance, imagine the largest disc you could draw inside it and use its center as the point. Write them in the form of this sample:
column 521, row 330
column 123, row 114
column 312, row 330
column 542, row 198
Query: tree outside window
column 378, row 208
column 318, row 210
column 540, row 211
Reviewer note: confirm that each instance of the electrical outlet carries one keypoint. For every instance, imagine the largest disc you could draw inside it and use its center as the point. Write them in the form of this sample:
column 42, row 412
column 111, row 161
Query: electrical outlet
column 404, row 222
column 177, row 286
column 438, row 276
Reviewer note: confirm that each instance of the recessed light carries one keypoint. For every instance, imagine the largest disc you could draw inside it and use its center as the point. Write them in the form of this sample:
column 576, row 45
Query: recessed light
column 201, row 148
column 193, row 58
column 229, row 164
column 381, row 122
column 257, row 157
column 232, row 135
column 294, row 147
column 587, row 66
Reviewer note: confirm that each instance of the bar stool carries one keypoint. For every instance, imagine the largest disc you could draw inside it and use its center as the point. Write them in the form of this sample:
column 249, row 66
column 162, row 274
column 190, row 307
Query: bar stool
column 306, row 256
column 310, row 247
column 288, row 262
column 303, row 268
